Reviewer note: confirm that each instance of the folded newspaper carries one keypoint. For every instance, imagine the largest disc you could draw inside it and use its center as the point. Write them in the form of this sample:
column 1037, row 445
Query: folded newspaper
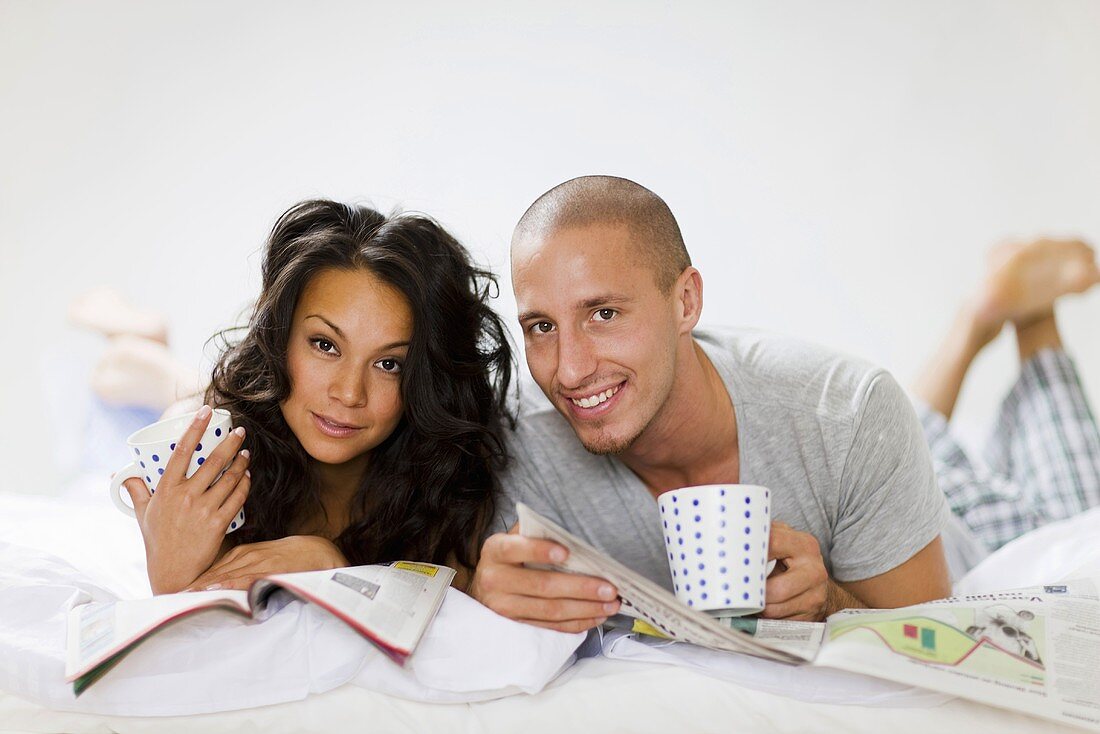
column 390, row 605
column 1033, row 650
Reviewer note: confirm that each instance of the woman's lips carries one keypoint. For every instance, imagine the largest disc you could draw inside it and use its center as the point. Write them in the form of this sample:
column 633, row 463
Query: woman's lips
column 332, row 429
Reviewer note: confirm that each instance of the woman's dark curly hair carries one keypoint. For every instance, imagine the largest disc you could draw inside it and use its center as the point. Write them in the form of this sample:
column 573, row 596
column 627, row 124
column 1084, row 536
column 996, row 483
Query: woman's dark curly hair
column 430, row 488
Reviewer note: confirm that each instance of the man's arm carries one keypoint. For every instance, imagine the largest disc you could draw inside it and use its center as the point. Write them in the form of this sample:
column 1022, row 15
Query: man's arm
column 922, row 578
column 801, row 589
column 561, row 601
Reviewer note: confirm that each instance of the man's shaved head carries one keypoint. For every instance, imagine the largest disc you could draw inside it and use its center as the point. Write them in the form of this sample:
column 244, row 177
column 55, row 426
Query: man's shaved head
column 588, row 200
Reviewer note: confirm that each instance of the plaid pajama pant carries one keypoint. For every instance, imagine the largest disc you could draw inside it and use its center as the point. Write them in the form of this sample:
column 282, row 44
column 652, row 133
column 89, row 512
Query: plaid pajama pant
column 1042, row 462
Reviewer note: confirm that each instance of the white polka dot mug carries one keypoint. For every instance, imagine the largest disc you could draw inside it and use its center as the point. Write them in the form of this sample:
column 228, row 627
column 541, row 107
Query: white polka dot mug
column 152, row 445
column 716, row 537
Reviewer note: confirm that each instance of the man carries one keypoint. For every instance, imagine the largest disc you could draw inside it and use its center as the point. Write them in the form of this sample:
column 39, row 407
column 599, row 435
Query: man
column 608, row 301
column 1042, row 460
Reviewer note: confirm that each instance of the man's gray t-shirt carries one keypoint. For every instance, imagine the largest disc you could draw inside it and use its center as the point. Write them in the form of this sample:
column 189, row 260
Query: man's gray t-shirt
column 835, row 440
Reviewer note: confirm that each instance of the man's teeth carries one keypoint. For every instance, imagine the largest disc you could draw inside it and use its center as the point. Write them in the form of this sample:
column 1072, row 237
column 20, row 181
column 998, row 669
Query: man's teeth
column 593, row 400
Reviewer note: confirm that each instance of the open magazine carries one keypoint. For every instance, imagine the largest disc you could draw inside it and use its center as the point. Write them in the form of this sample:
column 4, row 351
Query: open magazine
column 1034, row 650
column 390, row 605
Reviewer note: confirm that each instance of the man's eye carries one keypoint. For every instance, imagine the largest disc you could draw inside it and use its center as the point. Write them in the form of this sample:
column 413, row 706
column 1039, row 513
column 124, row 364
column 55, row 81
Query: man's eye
column 605, row 314
column 542, row 327
column 389, row 365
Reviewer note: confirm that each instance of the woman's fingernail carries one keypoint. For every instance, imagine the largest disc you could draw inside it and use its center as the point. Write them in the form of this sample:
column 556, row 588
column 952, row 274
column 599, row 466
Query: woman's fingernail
column 239, row 430
column 248, row 473
column 213, row 587
column 202, row 414
column 610, row 607
column 557, row 555
column 245, row 453
column 606, row 592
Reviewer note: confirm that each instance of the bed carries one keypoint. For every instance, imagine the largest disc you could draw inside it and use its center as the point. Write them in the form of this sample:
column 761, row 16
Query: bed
column 593, row 693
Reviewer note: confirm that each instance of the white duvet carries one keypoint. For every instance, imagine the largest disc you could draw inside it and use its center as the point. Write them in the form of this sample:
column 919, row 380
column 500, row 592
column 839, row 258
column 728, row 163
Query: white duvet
column 216, row 662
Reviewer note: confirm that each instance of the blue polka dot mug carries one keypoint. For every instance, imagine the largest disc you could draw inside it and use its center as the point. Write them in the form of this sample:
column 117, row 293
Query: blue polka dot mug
column 151, row 446
column 716, row 540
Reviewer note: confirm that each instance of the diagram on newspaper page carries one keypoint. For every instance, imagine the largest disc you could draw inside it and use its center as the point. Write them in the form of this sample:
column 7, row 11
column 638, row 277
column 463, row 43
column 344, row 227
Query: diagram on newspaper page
column 999, row 642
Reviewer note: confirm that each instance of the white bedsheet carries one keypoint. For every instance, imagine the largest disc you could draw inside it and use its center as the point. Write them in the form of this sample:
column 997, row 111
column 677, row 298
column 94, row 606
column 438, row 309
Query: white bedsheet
column 215, row 661
column 580, row 698
column 595, row 695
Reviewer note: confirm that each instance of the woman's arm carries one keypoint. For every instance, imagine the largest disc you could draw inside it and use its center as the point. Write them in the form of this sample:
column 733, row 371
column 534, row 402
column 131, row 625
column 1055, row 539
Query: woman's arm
column 184, row 523
column 243, row 564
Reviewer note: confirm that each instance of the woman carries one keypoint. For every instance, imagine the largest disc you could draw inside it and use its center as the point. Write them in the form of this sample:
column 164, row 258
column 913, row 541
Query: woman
column 370, row 389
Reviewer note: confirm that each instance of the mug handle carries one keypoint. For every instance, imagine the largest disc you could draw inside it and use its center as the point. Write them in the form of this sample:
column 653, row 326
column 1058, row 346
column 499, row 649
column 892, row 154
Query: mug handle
column 131, row 470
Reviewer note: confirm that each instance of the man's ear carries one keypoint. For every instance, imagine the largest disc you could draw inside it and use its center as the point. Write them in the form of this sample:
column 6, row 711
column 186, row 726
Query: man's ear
column 688, row 292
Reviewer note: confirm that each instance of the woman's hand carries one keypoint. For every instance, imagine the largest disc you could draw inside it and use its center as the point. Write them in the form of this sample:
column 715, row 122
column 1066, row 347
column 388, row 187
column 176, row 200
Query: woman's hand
column 238, row 568
column 184, row 523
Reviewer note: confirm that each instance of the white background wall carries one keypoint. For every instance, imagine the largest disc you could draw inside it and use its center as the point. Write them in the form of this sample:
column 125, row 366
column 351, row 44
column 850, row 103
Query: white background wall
column 838, row 168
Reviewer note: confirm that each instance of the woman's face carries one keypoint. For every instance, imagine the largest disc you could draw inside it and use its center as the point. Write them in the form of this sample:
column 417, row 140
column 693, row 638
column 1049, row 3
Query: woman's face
column 348, row 342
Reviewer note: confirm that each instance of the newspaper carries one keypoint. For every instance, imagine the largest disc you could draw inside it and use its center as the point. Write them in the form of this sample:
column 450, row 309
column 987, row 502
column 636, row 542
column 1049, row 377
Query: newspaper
column 1034, row 650
column 645, row 600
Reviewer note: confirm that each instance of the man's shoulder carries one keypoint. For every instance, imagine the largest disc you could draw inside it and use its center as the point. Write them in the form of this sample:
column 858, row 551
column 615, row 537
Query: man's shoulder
column 764, row 367
column 541, row 433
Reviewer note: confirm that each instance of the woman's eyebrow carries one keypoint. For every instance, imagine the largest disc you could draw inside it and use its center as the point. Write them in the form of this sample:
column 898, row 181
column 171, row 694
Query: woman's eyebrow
column 334, row 327
column 331, row 325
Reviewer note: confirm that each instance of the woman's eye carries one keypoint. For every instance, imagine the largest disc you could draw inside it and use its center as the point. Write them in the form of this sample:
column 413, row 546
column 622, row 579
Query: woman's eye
column 324, row 345
column 605, row 314
column 389, row 365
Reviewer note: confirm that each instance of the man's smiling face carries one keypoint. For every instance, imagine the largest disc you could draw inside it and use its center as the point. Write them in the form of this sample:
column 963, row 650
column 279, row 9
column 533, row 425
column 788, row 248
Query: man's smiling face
column 600, row 335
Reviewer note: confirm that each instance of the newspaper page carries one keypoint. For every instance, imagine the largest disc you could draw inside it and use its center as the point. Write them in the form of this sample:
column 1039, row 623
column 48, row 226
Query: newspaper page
column 391, row 605
column 1035, row 650
column 643, row 599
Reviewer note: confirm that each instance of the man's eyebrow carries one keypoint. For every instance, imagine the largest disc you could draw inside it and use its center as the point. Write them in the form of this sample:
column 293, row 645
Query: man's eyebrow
column 607, row 299
column 331, row 325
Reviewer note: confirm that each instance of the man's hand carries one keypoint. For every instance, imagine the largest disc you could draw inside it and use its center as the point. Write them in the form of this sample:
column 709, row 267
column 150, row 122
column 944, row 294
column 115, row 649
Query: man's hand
column 800, row 588
column 560, row 601
column 242, row 565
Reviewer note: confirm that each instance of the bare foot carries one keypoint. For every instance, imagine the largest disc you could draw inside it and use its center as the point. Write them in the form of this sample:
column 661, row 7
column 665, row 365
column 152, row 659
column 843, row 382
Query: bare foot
column 136, row 371
column 106, row 311
column 1026, row 278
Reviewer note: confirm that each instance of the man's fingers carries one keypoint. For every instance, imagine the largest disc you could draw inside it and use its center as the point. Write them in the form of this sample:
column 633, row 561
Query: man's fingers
column 509, row 580
column 807, row 607
column 185, row 447
column 513, row 548
column 802, row 574
column 581, row 625
column 553, row 610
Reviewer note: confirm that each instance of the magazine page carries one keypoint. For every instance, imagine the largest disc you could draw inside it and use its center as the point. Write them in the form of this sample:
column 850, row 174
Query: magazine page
column 1033, row 650
column 101, row 633
column 646, row 600
column 390, row 605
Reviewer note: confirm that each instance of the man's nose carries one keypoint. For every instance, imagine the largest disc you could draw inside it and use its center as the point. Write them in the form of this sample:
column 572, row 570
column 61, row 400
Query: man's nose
column 576, row 359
